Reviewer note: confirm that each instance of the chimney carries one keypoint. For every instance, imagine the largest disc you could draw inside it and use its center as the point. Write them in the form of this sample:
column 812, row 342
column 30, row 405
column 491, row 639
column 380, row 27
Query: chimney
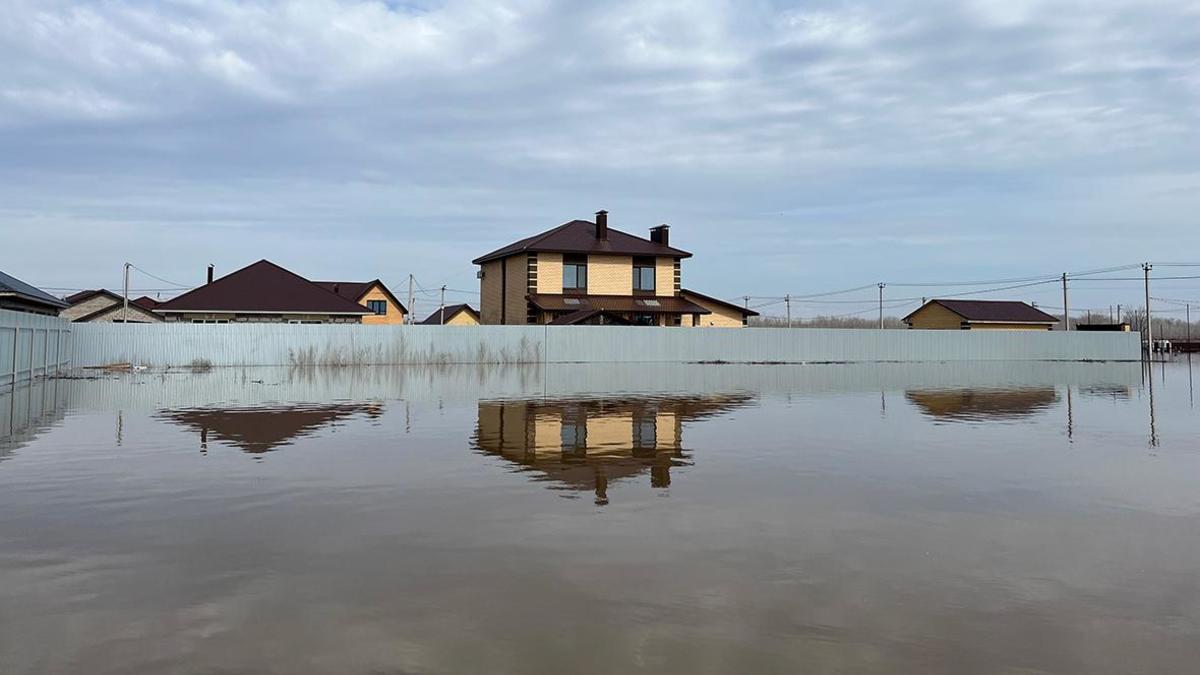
column 210, row 272
column 661, row 235
column 602, row 224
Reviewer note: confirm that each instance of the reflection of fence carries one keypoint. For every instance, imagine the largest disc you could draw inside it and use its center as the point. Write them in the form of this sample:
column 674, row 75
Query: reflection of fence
column 31, row 346
column 167, row 344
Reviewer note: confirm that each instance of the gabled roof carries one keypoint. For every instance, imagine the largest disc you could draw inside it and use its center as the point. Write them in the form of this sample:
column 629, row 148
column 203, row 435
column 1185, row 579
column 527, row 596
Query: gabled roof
column 992, row 311
column 263, row 287
column 717, row 301
column 145, row 302
column 82, row 296
column 136, row 312
column 15, row 287
column 579, row 236
column 355, row 290
column 451, row 310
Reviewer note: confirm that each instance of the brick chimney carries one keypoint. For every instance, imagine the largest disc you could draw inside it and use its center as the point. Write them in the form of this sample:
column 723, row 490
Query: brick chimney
column 210, row 273
column 661, row 235
column 602, row 224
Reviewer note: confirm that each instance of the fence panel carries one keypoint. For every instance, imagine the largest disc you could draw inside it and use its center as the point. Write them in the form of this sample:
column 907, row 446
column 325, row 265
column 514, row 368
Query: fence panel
column 182, row 345
column 31, row 346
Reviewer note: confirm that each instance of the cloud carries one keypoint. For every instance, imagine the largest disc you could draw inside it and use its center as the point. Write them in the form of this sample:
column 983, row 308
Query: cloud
column 465, row 124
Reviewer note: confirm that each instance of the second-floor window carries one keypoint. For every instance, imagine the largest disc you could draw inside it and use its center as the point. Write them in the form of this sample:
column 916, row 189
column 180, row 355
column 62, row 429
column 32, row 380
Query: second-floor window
column 377, row 306
column 574, row 273
column 643, row 274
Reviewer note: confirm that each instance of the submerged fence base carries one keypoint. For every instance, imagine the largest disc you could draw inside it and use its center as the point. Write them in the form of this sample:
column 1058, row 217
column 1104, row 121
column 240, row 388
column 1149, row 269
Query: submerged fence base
column 171, row 345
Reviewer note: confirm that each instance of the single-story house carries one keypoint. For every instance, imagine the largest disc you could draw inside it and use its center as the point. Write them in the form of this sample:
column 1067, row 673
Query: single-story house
column 721, row 314
column 979, row 315
column 374, row 295
column 18, row 296
column 453, row 315
column 264, row 293
column 104, row 306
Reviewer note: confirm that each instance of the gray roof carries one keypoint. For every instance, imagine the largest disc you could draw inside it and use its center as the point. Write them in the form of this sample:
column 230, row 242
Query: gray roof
column 13, row 286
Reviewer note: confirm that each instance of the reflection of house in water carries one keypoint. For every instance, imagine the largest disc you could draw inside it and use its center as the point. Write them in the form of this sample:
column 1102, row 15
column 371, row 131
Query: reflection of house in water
column 262, row 429
column 585, row 444
column 982, row 404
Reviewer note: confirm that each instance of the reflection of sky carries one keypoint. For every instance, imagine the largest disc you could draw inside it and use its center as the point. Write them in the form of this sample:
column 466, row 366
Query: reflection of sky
column 817, row 528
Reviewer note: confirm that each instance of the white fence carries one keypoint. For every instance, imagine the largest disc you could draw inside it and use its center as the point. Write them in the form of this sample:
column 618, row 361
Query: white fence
column 173, row 345
column 32, row 346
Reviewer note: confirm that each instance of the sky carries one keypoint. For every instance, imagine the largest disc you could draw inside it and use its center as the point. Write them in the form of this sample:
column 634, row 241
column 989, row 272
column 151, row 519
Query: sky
column 794, row 148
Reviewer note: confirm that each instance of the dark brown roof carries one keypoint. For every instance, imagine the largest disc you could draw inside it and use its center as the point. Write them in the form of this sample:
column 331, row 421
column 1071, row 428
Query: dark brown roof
column 145, row 302
column 655, row 304
column 435, row 318
column 263, row 287
column 992, row 311
column 717, row 301
column 579, row 236
column 355, row 290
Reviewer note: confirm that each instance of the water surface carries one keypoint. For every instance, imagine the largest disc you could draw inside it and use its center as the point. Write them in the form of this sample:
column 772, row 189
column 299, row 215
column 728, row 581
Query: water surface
column 988, row 518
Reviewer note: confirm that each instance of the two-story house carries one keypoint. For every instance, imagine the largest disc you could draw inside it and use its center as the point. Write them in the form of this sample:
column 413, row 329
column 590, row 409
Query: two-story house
column 587, row 273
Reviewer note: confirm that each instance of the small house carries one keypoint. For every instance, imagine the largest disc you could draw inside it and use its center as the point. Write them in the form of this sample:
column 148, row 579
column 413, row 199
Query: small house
column 453, row 315
column 979, row 315
column 374, row 295
column 261, row 293
column 104, row 306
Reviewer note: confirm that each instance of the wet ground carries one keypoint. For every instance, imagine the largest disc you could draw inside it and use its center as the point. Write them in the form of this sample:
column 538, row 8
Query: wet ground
column 988, row 518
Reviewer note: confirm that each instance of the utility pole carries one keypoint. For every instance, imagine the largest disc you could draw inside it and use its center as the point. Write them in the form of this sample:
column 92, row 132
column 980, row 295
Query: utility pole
column 787, row 302
column 1118, row 313
column 410, row 299
column 1188, row 309
column 442, row 308
column 125, row 295
column 1066, row 307
column 881, row 285
column 746, row 301
column 1146, row 267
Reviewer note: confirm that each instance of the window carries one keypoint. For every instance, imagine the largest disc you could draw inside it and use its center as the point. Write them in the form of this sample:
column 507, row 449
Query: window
column 377, row 306
column 643, row 274
column 574, row 273
column 644, row 320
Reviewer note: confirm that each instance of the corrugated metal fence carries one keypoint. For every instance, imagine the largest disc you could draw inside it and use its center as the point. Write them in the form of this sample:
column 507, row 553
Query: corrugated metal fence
column 162, row 345
column 32, row 346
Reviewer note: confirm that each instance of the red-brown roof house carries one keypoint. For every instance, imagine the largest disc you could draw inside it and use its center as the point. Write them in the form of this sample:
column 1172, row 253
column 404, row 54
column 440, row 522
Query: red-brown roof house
column 262, row 292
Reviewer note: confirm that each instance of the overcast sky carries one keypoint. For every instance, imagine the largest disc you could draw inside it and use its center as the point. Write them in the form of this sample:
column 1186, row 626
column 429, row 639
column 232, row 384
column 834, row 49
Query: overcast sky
column 793, row 147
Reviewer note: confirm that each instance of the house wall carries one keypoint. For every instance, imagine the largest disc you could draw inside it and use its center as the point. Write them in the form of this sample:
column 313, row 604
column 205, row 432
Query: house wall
column 1010, row 326
column 259, row 318
column 490, row 297
column 516, row 288
column 92, row 304
column 550, row 271
column 394, row 313
column 462, row 319
column 664, row 276
column 721, row 317
column 610, row 275
column 935, row 317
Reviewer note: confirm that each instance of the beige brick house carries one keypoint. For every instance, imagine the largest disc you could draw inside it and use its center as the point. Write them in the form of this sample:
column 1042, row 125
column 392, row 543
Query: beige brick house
column 585, row 273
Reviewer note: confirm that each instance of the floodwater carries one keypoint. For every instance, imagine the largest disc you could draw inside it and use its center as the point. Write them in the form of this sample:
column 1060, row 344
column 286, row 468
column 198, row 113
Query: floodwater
column 953, row 518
